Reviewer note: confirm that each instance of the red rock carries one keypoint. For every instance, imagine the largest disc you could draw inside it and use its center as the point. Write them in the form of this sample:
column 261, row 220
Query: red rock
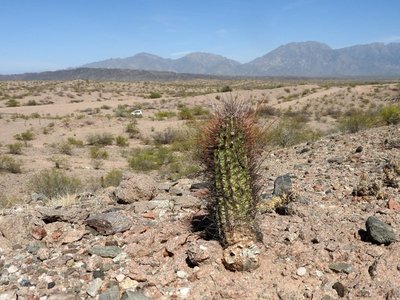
column 393, row 204
column 38, row 232
column 56, row 235
column 149, row 215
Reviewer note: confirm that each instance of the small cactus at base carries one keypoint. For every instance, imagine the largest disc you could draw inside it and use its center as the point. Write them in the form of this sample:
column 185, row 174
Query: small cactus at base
column 231, row 157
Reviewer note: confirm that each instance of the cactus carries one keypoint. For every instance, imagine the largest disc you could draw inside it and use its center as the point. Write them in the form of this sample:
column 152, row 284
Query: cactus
column 231, row 158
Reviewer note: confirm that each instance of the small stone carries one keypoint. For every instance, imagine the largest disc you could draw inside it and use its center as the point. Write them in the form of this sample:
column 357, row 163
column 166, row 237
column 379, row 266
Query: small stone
column 120, row 277
column 393, row 204
column 38, row 232
column 94, row 287
column 43, row 254
column 105, row 251
column 339, row 288
column 25, row 282
column 282, row 185
column 319, row 273
column 51, row 284
column 301, row 271
column 9, row 295
column 12, row 269
column 73, row 235
column 175, row 191
column 341, row 267
column 133, row 295
column 184, row 292
column 199, row 186
column 359, row 149
column 34, row 247
column 128, row 283
column 181, row 274
column 380, row 232
column 110, row 294
column 38, row 197
column 98, row 274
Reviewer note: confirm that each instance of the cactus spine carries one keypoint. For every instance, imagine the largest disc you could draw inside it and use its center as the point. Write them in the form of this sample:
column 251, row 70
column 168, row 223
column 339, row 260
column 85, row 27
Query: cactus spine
column 231, row 162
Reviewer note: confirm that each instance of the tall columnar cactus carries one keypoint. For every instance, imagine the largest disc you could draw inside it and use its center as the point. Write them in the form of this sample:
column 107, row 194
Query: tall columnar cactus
column 231, row 158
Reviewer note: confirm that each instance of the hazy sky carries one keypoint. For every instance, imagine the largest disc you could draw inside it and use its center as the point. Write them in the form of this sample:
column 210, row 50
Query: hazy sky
column 39, row 35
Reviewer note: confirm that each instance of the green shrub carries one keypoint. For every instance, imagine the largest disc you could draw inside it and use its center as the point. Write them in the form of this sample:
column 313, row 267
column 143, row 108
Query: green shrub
column 9, row 164
column 122, row 111
column 97, row 153
column 75, row 142
column 121, row 141
column 15, row 148
column 25, row 136
column 149, row 158
column 164, row 114
column 167, row 136
column 54, row 183
column 356, row 120
column 112, row 178
column 132, row 130
column 390, row 114
column 12, row 103
column 185, row 113
column 31, row 103
column 225, row 89
column 290, row 131
column 154, row 95
column 8, row 201
column 97, row 139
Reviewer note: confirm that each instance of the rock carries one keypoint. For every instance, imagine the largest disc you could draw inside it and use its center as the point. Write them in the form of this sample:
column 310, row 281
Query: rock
column 282, row 185
column 105, row 251
column 181, row 274
column 62, row 297
column 341, row 267
column 199, row 186
column 339, row 288
column 301, row 271
column 380, row 232
column 336, row 160
column 14, row 229
column 393, row 204
column 5, row 245
column 135, row 187
column 12, row 269
column 25, row 282
column 183, row 292
column 242, row 256
column 109, row 223
column 94, row 287
column 9, row 295
column 38, row 232
column 164, row 187
column 61, row 214
column 187, row 202
column 43, row 254
column 98, row 274
column 34, row 247
column 133, row 295
column 128, row 283
column 74, row 235
column 176, row 191
column 111, row 294
column 197, row 254
column 359, row 149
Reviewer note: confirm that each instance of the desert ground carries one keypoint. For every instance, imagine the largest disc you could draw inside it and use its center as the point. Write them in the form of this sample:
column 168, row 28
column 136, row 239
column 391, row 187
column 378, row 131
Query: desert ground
column 339, row 148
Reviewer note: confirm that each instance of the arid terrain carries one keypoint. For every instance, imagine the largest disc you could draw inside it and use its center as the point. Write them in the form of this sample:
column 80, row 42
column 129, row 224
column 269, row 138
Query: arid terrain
column 99, row 204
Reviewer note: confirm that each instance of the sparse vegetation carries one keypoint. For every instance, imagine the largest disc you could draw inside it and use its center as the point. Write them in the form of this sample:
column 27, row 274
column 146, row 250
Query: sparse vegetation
column 54, row 183
column 10, row 164
column 98, row 139
column 98, row 153
column 15, row 148
column 112, row 178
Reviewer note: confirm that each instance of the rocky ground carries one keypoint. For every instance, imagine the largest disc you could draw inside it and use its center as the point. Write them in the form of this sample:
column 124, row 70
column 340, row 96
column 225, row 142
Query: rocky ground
column 144, row 239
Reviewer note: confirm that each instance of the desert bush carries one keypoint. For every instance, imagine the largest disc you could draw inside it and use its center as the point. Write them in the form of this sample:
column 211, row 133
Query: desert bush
column 132, row 130
column 185, row 113
column 25, row 136
column 15, row 148
column 60, row 162
column 390, row 114
column 167, row 136
column 54, row 183
column 154, row 95
column 121, row 141
column 9, row 164
column 267, row 111
column 112, row 178
column 12, row 103
column 356, row 120
column 75, row 142
column 31, row 103
column 97, row 139
column 97, row 153
column 164, row 114
column 225, row 89
column 122, row 111
column 290, row 131
column 8, row 201
column 148, row 159
column 64, row 147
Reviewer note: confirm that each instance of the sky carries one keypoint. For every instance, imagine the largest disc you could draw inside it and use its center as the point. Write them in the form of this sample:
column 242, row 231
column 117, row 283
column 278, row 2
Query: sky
column 43, row 35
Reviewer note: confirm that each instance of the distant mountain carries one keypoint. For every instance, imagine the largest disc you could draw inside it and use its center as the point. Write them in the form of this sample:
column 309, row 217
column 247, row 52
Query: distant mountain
column 312, row 59
column 105, row 75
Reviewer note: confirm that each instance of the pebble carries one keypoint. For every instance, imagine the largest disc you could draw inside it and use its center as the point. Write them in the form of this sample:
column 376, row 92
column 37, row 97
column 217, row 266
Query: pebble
column 120, row 277
column 184, row 292
column 301, row 271
column 94, row 287
column 12, row 269
column 181, row 274
column 379, row 231
column 105, row 251
column 341, row 267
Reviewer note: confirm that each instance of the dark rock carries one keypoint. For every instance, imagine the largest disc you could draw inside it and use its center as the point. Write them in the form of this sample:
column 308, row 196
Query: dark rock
column 105, row 251
column 282, row 185
column 34, row 247
column 336, row 160
column 176, row 191
column 131, row 295
column 109, row 223
column 341, row 267
column 339, row 288
column 304, row 150
column 379, row 232
column 199, row 186
column 25, row 282
column 98, row 274
column 51, row 284
column 359, row 149
column 111, row 294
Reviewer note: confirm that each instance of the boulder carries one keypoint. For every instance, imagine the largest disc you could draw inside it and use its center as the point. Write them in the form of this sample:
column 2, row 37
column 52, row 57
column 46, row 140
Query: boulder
column 136, row 187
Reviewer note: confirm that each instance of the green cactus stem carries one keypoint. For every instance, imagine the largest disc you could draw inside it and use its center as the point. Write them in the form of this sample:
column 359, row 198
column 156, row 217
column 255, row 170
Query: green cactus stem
column 231, row 159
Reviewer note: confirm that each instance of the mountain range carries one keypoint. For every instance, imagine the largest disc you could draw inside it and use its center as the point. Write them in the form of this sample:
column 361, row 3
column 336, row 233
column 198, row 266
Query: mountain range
column 305, row 59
